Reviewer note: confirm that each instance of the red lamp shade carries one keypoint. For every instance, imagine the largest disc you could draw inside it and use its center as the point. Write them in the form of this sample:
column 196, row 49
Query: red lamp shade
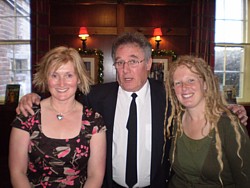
column 83, row 33
column 157, row 32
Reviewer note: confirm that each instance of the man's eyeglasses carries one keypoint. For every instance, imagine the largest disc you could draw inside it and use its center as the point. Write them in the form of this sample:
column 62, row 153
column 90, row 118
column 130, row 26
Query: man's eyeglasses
column 131, row 63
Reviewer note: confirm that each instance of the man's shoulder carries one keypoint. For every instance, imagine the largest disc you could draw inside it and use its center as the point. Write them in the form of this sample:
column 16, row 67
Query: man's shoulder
column 104, row 86
column 156, row 82
column 156, row 85
column 103, row 89
column 107, row 84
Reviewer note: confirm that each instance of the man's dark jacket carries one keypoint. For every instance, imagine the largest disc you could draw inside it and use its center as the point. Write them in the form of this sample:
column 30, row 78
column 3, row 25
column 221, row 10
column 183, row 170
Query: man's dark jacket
column 103, row 97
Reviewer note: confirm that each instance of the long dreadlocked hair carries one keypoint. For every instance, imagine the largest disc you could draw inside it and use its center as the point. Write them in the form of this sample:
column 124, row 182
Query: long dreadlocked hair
column 215, row 105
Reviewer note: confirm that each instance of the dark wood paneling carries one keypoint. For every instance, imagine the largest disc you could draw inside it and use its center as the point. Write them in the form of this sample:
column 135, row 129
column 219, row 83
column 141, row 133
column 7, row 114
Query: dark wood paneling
column 73, row 31
column 157, row 16
column 83, row 15
column 135, row 2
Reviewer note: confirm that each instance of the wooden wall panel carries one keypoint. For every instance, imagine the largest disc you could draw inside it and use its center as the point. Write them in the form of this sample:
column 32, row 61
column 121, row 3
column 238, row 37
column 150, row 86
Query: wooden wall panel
column 157, row 16
column 83, row 15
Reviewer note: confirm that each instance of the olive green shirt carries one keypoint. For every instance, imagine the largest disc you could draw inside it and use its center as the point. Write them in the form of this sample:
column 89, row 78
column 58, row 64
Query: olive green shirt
column 196, row 163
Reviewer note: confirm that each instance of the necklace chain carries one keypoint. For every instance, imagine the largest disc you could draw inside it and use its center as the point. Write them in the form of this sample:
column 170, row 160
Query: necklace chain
column 61, row 115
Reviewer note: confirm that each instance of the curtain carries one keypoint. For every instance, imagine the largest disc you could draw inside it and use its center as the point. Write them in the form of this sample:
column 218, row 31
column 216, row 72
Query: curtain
column 202, row 29
column 40, row 32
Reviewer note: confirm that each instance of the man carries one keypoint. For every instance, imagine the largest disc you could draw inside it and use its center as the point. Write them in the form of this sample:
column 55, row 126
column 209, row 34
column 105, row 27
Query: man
column 131, row 53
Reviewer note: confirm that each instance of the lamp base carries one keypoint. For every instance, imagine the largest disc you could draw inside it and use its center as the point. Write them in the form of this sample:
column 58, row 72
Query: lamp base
column 84, row 45
column 157, row 44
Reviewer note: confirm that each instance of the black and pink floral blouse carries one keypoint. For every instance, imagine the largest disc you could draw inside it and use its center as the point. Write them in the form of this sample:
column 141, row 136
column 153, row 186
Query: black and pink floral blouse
column 59, row 162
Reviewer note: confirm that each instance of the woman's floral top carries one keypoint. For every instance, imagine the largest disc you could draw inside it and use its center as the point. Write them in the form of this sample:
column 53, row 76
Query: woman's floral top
column 59, row 162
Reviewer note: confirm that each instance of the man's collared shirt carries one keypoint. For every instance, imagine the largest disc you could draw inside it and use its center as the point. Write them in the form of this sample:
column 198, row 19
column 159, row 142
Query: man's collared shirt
column 144, row 136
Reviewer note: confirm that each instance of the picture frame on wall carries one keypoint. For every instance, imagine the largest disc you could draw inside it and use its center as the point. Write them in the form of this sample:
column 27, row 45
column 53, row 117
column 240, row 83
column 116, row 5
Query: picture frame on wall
column 91, row 65
column 12, row 94
column 159, row 68
column 93, row 59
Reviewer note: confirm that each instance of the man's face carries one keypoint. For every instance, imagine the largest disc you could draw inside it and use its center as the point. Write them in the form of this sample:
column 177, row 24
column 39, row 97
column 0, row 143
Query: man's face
column 132, row 78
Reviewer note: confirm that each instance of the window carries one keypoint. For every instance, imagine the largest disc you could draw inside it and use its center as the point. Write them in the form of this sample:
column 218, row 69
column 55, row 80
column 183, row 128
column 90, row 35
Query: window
column 15, row 45
column 232, row 46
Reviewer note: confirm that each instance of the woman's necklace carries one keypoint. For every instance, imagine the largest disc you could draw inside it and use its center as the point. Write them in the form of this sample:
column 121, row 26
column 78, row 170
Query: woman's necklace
column 61, row 115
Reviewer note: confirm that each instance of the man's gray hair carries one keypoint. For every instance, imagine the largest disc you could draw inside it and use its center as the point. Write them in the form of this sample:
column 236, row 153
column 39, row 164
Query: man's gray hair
column 133, row 38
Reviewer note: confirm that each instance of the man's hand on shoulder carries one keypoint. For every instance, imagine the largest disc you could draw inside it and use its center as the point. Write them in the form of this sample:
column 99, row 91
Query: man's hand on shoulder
column 240, row 111
column 26, row 102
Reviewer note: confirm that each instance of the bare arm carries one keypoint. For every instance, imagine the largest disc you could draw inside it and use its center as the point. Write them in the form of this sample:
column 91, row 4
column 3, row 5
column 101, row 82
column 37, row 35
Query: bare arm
column 240, row 111
column 26, row 102
column 97, row 161
column 18, row 158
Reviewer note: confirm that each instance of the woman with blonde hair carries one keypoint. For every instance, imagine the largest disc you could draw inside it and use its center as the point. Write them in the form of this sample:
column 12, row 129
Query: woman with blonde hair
column 210, row 148
column 63, row 144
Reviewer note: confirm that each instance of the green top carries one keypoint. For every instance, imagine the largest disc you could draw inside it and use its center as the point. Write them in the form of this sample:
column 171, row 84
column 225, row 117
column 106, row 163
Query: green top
column 191, row 155
column 196, row 164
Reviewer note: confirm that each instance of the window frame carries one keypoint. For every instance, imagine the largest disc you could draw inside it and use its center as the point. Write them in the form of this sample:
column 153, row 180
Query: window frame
column 244, row 96
column 15, row 42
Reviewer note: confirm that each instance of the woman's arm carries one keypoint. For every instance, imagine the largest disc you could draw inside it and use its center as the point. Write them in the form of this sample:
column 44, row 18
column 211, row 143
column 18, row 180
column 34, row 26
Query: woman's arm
column 18, row 158
column 97, row 160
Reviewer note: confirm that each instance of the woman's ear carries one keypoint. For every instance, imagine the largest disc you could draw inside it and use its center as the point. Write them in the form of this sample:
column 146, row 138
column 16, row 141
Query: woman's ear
column 205, row 86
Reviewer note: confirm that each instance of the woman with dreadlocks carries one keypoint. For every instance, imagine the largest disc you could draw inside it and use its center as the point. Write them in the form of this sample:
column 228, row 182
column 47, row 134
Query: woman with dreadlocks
column 210, row 148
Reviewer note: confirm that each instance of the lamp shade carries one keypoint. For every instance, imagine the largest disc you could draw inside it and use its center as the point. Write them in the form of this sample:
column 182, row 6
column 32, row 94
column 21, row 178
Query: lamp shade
column 157, row 32
column 83, row 32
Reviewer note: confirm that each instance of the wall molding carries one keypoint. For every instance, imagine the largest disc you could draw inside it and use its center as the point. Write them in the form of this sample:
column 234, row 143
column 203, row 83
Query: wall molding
column 178, row 31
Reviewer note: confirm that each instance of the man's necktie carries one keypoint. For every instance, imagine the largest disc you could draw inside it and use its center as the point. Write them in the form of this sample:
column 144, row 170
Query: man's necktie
column 131, row 166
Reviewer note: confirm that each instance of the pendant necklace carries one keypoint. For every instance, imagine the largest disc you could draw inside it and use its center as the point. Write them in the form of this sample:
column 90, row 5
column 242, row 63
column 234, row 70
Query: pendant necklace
column 61, row 115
